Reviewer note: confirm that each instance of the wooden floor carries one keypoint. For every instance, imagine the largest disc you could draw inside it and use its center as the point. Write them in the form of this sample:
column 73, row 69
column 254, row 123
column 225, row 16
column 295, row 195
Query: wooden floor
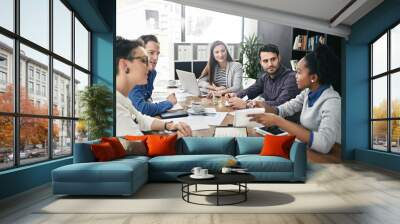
column 379, row 189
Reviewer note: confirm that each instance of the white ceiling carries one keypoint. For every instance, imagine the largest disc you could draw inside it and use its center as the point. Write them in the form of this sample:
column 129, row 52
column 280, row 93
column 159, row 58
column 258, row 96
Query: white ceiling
column 319, row 9
column 308, row 14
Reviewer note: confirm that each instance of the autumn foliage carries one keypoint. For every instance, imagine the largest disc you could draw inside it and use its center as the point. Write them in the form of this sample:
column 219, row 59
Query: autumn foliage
column 33, row 131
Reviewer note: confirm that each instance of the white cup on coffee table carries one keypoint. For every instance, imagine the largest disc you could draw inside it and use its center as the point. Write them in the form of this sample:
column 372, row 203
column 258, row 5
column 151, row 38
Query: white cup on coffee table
column 196, row 171
column 226, row 170
column 203, row 172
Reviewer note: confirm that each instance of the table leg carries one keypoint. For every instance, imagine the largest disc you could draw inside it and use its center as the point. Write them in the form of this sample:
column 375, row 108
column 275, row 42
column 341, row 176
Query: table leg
column 217, row 194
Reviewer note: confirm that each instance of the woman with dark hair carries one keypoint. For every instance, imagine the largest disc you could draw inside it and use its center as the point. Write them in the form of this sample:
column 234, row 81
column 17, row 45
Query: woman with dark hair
column 221, row 74
column 131, row 69
column 319, row 103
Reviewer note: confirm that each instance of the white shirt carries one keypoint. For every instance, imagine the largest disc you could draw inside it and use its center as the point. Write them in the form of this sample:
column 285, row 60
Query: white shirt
column 127, row 115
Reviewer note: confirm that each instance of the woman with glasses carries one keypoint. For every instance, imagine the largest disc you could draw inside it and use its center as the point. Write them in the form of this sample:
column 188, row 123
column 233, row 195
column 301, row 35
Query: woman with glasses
column 221, row 74
column 131, row 70
column 318, row 103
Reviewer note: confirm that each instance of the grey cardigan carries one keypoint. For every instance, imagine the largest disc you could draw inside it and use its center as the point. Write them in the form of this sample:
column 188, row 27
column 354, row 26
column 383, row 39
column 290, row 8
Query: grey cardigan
column 234, row 72
column 323, row 118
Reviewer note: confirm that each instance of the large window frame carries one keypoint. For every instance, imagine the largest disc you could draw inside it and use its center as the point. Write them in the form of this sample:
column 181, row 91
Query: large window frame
column 16, row 114
column 388, row 75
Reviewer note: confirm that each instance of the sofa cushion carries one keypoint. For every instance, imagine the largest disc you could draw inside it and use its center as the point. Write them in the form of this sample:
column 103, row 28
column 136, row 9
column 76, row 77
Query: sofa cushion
column 103, row 152
column 249, row 145
column 134, row 147
column 116, row 145
column 112, row 171
column 257, row 163
column 185, row 163
column 83, row 152
column 161, row 145
column 206, row 145
column 277, row 145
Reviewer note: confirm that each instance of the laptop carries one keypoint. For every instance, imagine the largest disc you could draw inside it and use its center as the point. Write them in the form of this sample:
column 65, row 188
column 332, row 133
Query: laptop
column 189, row 82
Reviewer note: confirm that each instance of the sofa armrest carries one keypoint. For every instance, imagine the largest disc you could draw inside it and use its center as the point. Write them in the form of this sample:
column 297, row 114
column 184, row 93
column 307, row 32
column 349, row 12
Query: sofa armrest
column 298, row 156
column 83, row 152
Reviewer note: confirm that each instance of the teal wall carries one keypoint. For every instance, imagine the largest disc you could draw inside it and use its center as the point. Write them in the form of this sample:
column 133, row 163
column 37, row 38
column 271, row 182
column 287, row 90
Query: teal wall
column 99, row 15
column 355, row 122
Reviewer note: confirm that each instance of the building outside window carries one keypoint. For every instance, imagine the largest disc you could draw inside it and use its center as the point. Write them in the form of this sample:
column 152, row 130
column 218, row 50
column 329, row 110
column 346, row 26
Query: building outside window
column 385, row 94
column 56, row 134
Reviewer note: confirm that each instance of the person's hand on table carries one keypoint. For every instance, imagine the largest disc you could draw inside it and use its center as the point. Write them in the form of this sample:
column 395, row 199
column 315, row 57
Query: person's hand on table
column 237, row 103
column 183, row 129
column 266, row 119
column 262, row 104
column 172, row 98
column 230, row 95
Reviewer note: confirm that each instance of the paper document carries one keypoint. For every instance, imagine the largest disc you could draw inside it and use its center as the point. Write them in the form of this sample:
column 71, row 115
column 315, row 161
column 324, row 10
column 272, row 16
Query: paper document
column 241, row 119
column 200, row 122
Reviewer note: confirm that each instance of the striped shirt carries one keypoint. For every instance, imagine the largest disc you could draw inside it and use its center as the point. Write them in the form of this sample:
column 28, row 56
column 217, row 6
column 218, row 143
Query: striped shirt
column 221, row 78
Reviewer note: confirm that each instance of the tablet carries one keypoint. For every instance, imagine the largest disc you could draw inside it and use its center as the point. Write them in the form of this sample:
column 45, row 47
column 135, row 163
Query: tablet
column 174, row 114
column 273, row 130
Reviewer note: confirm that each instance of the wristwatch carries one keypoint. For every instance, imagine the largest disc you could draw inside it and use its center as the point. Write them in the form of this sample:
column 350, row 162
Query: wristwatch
column 165, row 125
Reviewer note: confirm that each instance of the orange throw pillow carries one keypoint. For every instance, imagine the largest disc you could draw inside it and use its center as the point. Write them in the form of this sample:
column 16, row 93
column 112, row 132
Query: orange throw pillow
column 103, row 152
column 136, row 137
column 277, row 145
column 159, row 145
column 116, row 145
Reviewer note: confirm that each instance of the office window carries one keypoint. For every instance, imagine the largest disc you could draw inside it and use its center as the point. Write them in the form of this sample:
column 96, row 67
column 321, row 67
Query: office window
column 63, row 73
column 385, row 94
column 6, row 142
column 45, row 131
column 6, row 85
column 62, row 137
column 40, row 62
column 62, row 29
column 33, row 140
column 34, row 21
column 81, row 81
column 7, row 14
column 81, row 45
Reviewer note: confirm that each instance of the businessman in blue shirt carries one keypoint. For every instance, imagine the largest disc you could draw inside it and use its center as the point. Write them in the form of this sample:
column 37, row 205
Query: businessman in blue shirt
column 141, row 94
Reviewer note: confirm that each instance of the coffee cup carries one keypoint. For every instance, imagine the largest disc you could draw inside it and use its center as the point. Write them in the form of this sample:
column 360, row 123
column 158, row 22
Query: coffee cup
column 203, row 172
column 171, row 82
column 226, row 170
column 196, row 171
column 197, row 107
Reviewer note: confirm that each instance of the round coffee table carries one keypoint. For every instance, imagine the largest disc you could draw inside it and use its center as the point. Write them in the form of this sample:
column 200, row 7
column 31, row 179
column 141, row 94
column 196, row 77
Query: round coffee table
column 238, row 179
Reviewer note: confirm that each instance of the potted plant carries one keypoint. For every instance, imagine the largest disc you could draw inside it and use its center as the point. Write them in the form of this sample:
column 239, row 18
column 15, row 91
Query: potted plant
column 249, row 56
column 96, row 104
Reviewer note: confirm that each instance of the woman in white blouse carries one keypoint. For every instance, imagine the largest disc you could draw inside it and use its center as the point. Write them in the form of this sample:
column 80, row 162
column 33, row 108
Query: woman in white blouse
column 131, row 65
column 221, row 74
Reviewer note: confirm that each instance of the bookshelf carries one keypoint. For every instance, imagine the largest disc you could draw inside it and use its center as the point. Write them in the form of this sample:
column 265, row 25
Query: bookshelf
column 193, row 57
column 305, row 41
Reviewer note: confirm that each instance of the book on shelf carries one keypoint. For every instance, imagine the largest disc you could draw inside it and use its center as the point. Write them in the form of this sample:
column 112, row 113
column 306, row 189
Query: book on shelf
column 300, row 43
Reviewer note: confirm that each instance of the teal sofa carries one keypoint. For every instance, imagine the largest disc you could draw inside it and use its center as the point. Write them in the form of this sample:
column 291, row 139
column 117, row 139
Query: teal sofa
column 125, row 176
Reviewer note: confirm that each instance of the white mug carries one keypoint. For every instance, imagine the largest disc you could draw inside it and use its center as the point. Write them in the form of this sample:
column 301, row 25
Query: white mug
column 203, row 172
column 197, row 107
column 226, row 170
column 196, row 171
